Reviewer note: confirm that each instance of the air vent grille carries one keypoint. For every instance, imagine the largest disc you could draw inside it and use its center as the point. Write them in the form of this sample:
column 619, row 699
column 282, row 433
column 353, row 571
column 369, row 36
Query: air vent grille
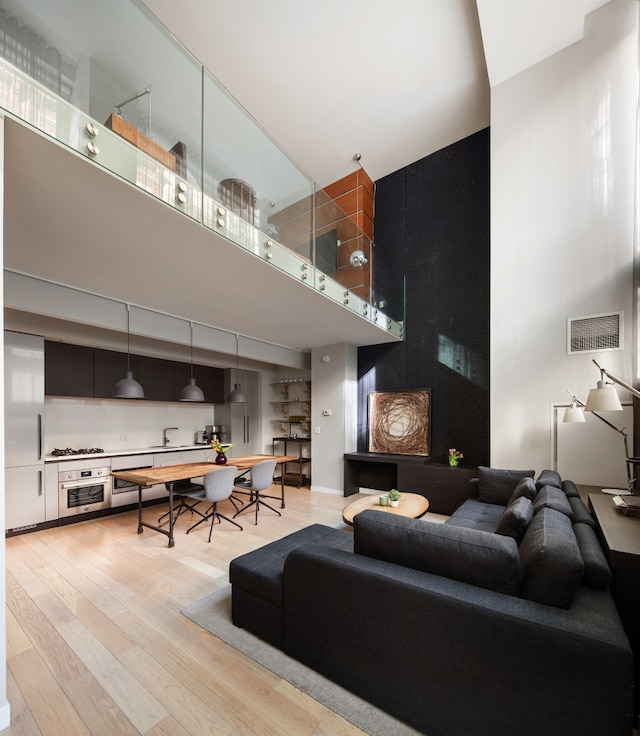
column 595, row 334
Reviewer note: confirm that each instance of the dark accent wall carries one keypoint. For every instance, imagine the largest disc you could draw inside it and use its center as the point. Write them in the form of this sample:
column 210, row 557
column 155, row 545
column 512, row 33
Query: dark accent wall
column 432, row 224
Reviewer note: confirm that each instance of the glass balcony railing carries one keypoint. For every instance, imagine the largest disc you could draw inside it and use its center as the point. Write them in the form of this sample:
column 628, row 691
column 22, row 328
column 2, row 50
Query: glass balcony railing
column 111, row 83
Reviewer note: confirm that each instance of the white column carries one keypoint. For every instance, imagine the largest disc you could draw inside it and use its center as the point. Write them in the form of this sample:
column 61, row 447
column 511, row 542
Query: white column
column 5, row 710
column 334, row 414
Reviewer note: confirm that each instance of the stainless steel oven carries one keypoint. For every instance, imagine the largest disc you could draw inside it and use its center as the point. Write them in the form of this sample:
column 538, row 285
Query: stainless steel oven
column 81, row 491
column 123, row 486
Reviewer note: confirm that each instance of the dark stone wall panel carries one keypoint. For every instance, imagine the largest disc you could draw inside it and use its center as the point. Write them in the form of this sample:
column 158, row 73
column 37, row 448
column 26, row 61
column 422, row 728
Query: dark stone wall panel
column 432, row 224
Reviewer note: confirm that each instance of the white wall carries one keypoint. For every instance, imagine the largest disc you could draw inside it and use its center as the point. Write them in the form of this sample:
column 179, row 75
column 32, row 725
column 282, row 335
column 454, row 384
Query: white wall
column 562, row 183
column 333, row 388
column 118, row 424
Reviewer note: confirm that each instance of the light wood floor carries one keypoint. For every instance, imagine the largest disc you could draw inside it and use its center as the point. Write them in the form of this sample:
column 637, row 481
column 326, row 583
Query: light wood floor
column 96, row 643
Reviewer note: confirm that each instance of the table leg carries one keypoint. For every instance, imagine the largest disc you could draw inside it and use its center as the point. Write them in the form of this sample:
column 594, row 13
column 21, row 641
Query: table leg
column 139, row 509
column 171, row 519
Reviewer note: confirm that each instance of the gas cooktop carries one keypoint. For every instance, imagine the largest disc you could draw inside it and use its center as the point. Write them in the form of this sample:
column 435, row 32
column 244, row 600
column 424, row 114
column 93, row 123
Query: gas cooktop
column 83, row 451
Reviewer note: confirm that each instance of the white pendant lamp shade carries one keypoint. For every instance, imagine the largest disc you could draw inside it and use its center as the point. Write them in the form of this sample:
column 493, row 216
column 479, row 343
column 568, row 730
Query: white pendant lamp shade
column 603, row 398
column 191, row 392
column 574, row 413
column 128, row 388
column 237, row 396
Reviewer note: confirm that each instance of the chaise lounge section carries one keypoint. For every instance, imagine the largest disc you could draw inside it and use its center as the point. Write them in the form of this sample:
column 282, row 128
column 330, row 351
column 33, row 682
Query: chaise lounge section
column 498, row 622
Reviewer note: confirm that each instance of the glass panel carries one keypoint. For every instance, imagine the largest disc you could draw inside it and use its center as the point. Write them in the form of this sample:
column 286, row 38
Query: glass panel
column 116, row 64
column 109, row 81
column 248, row 176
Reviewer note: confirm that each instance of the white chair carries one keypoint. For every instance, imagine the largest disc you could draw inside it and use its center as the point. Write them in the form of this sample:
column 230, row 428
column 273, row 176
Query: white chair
column 218, row 485
column 261, row 479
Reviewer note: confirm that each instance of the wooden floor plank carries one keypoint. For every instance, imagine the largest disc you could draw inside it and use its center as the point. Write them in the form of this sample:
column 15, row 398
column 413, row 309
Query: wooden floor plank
column 97, row 645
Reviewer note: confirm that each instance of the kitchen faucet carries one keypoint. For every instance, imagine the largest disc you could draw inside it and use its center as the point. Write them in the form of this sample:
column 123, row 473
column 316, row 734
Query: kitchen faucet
column 165, row 436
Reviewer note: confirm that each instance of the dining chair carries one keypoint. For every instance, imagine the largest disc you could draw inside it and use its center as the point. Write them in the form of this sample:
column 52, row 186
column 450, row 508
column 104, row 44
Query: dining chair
column 261, row 479
column 188, row 496
column 218, row 485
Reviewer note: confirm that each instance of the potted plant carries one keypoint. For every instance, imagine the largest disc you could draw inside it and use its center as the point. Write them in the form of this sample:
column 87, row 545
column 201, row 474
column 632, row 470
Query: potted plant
column 394, row 497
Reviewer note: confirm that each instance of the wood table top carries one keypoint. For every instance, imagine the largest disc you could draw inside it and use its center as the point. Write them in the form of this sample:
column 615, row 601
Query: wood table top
column 413, row 505
column 170, row 473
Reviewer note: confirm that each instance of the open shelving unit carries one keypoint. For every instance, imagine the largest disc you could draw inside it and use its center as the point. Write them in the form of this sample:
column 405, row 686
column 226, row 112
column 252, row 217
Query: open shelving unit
column 293, row 428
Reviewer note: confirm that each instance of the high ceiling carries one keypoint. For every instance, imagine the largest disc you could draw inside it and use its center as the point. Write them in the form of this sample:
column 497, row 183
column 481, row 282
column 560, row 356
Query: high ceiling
column 393, row 82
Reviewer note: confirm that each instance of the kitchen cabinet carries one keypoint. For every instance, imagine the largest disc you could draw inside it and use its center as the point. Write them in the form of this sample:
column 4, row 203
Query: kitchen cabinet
column 68, row 369
column 75, row 370
column 24, row 498
column 24, row 416
column 214, row 385
column 208, row 378
column 245, row 425
column 156, row 377
column 108, row 368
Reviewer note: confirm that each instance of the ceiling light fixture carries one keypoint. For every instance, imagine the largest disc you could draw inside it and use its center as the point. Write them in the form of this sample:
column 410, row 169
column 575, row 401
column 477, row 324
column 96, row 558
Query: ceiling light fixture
column 128, row 387
column 191, row 392
column 236, row 396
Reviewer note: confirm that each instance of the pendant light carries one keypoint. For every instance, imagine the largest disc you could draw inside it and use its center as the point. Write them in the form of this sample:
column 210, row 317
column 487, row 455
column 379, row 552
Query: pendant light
column 128, row 387
column 191, row 392
column 236, row 396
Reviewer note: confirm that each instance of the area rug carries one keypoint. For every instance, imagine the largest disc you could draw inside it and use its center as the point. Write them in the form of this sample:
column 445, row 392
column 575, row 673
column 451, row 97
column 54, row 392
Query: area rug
column 213, row 613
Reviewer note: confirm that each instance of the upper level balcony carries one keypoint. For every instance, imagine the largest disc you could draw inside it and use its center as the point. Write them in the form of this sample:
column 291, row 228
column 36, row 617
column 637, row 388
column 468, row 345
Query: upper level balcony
column 111, row 84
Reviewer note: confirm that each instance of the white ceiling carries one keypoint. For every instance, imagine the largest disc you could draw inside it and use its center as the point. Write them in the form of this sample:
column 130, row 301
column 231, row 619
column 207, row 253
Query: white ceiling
column 391, row 81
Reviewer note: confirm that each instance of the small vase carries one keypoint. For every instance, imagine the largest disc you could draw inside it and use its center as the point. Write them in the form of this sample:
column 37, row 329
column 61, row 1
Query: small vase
column 454, row 462
column 221, row 459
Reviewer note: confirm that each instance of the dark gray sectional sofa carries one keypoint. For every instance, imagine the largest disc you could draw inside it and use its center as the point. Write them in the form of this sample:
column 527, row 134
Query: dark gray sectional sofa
column 498, row 622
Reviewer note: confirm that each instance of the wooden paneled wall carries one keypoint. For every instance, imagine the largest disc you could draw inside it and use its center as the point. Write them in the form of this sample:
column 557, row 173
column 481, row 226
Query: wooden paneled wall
column 346, row 207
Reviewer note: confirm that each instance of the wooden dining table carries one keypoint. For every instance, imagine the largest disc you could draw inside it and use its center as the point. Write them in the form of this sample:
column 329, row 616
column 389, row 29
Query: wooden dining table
column 169, row 474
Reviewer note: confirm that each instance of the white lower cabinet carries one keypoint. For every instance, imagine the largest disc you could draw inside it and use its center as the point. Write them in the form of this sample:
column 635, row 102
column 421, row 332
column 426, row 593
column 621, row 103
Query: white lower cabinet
column 24, row 496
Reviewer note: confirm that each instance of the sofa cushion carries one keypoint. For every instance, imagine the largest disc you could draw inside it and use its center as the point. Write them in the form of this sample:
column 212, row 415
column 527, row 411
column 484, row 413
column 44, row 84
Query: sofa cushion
column 550, row 560
column 552, row 498
column 496, row 484
column 549, row 478
column 581, row 513
column 516, row 518
column 526, row 488
column 597, row 573
column 467, row 555
column 569, row 488
column 474, row 514
column 260, row 572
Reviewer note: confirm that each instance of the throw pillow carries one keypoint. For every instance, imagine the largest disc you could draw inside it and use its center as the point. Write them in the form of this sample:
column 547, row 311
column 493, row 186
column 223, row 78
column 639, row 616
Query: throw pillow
column 552, row 498
column 516, row 518
column 497, row 485
column 549, row 478
column 570, row 490
column 526, row 488
column 597, row 573
column 550, row 561
column 581, row 514
column 467, row 555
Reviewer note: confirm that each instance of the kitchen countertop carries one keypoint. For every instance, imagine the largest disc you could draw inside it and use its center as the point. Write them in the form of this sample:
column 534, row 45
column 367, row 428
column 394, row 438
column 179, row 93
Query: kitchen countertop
column 120, row 453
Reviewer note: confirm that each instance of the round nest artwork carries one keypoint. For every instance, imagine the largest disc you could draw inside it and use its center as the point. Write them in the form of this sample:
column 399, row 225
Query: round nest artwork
column 399, row 422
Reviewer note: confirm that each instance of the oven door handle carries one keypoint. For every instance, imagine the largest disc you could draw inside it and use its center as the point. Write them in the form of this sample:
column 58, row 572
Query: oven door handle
column 70, row 485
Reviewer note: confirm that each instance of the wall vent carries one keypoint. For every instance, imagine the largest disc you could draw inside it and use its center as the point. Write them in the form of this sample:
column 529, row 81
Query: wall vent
column 595, row 334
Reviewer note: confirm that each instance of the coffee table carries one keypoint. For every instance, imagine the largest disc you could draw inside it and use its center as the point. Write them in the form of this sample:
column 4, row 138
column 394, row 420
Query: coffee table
column 412, row 505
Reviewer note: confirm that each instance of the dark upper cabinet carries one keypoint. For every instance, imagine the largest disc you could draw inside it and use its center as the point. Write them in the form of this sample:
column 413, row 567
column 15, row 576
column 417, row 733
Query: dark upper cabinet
column 68, row 369
column 208, row 378
column 73, row 370
column 156, row 377
column 108, row 368
column 214, row 385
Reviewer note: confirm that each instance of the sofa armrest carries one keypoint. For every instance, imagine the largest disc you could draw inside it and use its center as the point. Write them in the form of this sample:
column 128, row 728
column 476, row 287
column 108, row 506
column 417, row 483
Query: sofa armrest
column 407, row 640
